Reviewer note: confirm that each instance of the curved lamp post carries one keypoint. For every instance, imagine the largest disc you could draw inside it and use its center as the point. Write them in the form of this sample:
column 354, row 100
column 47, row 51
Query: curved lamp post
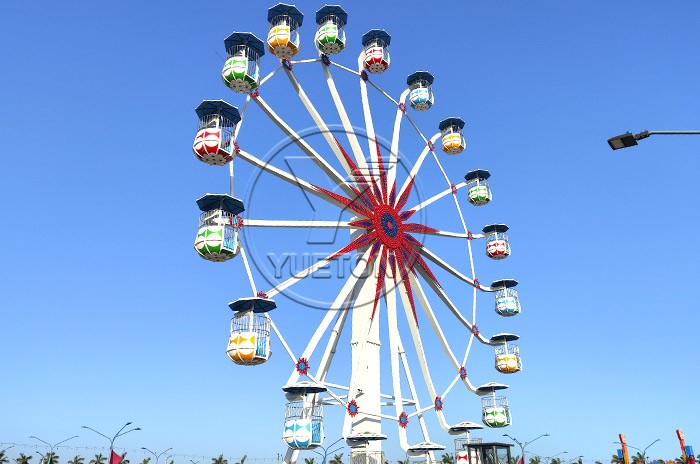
column 572, row 460
column 157, row 456
column 629, row 139
column 549, row 458
column 325, row 453
column 523, row 445
column 644, row 451
column 51, row 447
column 117, row 435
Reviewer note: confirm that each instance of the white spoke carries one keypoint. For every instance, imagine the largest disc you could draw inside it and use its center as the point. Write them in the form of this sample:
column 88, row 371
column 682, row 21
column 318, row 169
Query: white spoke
column 351, row 71
column 332, row 174
column 269, row 76
column 299, row 276
column 419, row 162
column 369, row 124
column 281, row 339
column 247, row 270
column 320, row 123
column 414, row 394
column 393, row 326
column 332, row 345
column 298, row 224
column 451, row 306
column 347, row 126
column 435, row 198
column 310, row 60
column 340, row 304
column 287, row 177
column 389, row 97
column 440, row 262
column 418, row 342
column 395, row 136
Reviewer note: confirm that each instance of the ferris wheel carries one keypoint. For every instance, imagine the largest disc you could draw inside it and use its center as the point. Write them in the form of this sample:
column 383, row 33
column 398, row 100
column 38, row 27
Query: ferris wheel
column 394, row 273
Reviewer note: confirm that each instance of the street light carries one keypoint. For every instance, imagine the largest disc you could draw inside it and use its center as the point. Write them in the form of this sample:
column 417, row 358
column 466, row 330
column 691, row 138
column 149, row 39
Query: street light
column 117, row 435
column 157, row 456
column 644, row 451
column 572, row 460
column 51, row 447
column 523, row 445
column 629, row 139
column 549, row 458
column 326, row 452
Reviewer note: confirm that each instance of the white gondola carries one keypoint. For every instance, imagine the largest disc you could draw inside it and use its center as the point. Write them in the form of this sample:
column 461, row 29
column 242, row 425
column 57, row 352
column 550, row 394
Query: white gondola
column 426, row 450
column 453, row 141
column 507, row 301
column 421, row 97
column 303, row 421
column 462, row 454
column 478, row 188
column 507, row 358
column 241, row 71
column 494, row 409
column 330, row 35
column 249, row 343
column 283, row 39
column 217, row 236
column 214, row 142
column 497, row 245
column 376, row 51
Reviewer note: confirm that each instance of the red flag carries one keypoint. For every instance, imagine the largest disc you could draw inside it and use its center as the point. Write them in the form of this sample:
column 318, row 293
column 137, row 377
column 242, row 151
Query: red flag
column 115, row 458
column 520, row 461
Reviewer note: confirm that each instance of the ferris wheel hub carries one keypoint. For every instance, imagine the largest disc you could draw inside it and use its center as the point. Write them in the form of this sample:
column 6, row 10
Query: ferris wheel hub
column 388, row 225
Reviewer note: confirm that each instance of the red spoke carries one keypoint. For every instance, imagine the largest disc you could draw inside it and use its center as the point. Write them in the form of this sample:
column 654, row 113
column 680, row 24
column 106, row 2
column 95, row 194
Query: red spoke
column 406, row 284
column 360, row 241
column 380, row 280
column 346, row 201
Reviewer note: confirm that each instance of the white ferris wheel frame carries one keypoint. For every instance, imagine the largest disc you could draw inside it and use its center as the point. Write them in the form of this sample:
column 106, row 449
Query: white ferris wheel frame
column 361, row 282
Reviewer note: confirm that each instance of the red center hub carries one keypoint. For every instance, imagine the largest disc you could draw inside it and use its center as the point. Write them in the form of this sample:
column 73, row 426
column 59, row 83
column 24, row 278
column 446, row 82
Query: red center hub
column 388, row 226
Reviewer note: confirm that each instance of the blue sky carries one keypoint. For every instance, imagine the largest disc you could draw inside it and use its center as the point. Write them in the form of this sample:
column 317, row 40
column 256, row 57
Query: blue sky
column 108, row 314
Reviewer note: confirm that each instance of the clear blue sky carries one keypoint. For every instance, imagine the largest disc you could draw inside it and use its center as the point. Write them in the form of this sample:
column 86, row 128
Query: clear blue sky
column 108, row 315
